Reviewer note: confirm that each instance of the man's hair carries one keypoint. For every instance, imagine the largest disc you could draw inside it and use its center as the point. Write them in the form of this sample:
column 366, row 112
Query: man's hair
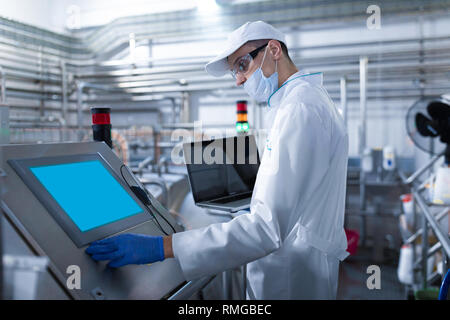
column 259, row 43
column 285, row 50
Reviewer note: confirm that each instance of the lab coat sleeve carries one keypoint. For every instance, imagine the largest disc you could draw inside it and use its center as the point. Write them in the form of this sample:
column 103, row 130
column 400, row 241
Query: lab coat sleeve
column 284, row 170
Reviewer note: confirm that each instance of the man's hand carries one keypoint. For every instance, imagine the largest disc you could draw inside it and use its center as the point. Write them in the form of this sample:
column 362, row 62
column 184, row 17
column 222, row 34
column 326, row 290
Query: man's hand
column 128, row 249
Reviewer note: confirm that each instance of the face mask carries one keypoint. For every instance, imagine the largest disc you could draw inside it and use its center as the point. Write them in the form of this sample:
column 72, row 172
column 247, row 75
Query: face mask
column 258, row 86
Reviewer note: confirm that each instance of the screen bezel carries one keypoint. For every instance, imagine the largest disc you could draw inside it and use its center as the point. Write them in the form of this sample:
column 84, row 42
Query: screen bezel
column 22, row 168
column 190, row 145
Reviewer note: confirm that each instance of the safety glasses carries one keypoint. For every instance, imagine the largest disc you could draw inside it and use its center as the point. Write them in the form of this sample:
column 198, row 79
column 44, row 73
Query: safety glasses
column 241, row 65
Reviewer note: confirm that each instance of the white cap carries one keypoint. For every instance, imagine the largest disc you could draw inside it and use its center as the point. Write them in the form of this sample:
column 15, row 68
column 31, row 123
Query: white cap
column 257, row 30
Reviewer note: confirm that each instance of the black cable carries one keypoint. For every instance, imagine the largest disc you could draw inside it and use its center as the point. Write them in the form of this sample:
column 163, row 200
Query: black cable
column 159, row 225
column 148, row 206
column 156, row 220
column 148, row 198
column 161, row 215
column 144, row 201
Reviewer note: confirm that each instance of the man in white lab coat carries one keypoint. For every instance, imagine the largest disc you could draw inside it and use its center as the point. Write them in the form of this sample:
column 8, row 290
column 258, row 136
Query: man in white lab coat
column 293, row 237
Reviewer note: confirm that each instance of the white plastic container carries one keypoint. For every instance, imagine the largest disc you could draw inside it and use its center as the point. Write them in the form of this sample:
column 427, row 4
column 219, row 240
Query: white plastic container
column 405, row 265
column 389, row 158
column 408, row 208
column 441, row 194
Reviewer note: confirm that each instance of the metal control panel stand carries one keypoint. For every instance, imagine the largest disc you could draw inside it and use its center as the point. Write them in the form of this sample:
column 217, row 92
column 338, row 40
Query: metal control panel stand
column 45, row 238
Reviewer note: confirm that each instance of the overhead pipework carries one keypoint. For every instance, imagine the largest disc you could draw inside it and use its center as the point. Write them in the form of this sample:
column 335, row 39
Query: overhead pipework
column 40, row 65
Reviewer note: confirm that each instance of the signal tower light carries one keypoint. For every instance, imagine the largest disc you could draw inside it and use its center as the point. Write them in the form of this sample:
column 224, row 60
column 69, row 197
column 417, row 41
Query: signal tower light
column 241, row 112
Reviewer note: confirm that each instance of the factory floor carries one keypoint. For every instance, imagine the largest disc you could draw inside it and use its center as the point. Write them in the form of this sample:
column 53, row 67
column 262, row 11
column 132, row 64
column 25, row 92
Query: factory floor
column 353, row 277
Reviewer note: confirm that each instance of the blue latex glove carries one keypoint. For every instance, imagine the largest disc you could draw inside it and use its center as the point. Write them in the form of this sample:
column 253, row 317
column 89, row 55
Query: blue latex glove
column 127, row 249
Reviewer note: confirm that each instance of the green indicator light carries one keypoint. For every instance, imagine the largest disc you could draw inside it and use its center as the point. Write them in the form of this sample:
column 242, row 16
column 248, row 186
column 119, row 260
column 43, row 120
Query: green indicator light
column 238, row 127
column 245, row 126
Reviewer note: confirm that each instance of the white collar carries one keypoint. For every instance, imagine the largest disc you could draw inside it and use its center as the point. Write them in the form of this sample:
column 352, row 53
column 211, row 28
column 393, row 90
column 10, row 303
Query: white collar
column 277, row 96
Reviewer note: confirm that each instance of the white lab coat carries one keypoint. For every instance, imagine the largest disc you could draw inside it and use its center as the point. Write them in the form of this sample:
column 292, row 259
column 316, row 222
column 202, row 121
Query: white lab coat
column 293, row 238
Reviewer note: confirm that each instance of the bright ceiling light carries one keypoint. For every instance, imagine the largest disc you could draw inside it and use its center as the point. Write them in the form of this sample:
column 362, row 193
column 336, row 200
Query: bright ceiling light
column 235, row 2
column 207, row 6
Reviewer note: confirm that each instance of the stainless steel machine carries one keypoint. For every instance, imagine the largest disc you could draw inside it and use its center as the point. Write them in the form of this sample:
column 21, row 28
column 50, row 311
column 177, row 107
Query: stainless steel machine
column 43, row 188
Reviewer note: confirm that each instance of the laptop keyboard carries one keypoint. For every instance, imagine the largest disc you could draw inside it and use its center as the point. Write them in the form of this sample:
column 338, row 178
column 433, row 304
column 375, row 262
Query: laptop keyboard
column 232, row 198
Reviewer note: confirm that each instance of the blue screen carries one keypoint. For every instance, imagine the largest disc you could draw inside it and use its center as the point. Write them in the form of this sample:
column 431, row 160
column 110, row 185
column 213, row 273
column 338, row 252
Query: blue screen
column 87, row 192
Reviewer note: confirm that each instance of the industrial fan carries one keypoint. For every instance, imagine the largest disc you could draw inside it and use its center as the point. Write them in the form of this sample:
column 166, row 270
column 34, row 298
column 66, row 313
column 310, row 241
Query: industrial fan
column 427, row 120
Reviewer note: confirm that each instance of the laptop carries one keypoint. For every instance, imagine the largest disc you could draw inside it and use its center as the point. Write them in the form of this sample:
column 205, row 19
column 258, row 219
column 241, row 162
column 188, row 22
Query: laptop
column 222, row 172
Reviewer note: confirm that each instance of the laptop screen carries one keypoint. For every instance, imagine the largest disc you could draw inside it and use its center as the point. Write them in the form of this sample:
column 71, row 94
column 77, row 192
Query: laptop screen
column 222, row 167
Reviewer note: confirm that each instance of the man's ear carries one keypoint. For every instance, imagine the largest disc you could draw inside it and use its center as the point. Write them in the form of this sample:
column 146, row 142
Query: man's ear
column 275, row 49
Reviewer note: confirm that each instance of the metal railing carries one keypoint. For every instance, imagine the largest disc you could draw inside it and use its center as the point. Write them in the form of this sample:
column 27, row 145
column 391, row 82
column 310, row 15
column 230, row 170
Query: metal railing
column 428, row 221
